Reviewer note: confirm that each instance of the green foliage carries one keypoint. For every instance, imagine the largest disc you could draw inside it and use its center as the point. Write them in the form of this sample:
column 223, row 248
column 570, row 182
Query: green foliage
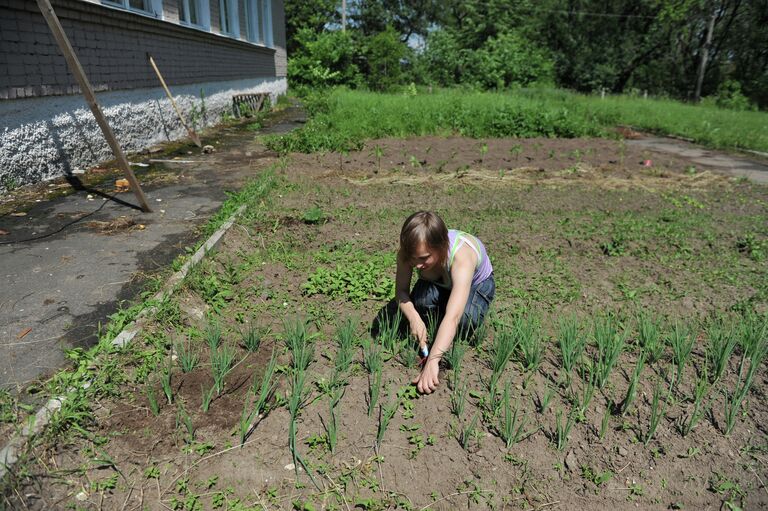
column 729, row 95
column 512, row 429
column 353, row 281
column 610, row 342
column 324, row 59
column 348, row 118
column 383, row 53
column 508, row 60
column 313, row 215
column 658, row 411
column 572, row 342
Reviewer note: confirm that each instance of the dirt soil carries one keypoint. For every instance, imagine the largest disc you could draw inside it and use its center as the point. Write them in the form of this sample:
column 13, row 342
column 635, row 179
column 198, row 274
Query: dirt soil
column 572, row 226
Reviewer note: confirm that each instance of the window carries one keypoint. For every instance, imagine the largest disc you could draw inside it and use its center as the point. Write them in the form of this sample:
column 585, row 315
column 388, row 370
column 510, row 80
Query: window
column 195, row 12
column 153, row 7
column 259, row 21
column 229, row 23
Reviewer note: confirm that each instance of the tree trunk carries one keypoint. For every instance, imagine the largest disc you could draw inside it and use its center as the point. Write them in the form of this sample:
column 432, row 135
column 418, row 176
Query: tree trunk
column 703, row 60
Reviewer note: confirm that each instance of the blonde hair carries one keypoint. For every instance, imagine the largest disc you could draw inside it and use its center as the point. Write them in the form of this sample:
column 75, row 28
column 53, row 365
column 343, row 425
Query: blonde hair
column 424, row 227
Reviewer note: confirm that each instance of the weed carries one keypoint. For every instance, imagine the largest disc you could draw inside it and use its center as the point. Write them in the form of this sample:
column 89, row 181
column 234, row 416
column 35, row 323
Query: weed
column 385, row 416
column 377, row 152
column 314, row 215
column 263, row 394
column 746, row 374
column 658, row 411
column 154, row 406
column 543, row 402
column 629, row 398
column 681, row 340
column 299, row 342
column 222, row 359
column 459, row 395
column 251, row 338
column 504, row 344
column 562, row 429
column 183, row 418
column 651, row 340
column 389, row 335
column 688, row 422
column 588, row 386
column 373, row 364
column 722, row 341
column 468, row 433
column 530, row 345
column 571, row 342
column 455, row 355
column 512, row 429
column 346, row 339
column 610, row 343
column 331, row 428
column 165, row 382
column 596, row 478
column 206, row 397
column 605, row 422
column 213, row 335
column 354, row 281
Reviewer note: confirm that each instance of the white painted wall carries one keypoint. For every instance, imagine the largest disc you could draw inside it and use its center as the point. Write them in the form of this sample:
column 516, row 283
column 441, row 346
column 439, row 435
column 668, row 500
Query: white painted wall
column 45, row 138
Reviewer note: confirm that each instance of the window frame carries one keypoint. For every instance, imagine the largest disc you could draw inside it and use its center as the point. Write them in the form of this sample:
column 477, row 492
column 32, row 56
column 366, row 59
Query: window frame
column 233, row 18
column 259, row 22
column 203, row 14
column 154, row 7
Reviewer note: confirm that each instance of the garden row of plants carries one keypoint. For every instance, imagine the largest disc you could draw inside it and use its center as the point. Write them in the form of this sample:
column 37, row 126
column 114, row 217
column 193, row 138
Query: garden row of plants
column 695, row 367
column 342, row 120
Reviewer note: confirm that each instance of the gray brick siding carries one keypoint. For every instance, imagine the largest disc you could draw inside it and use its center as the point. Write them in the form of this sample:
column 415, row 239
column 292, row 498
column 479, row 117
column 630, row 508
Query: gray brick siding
column 112, row 47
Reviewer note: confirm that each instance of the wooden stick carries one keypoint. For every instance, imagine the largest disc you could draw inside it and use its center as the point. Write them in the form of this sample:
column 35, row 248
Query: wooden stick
column 90, row 97
column 191, row 132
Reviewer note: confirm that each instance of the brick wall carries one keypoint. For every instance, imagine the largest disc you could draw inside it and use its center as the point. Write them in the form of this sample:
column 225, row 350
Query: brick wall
column 112, row 47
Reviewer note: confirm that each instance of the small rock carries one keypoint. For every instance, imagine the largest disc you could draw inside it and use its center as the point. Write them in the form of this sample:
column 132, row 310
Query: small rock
column 290, row 466
column 571, row 463
column 207, row 149
column 78, row 172
column 82, row 496
column 622, row 451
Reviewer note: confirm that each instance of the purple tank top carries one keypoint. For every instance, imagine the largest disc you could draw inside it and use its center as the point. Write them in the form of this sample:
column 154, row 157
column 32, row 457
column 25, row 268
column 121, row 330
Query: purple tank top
column 456, row 239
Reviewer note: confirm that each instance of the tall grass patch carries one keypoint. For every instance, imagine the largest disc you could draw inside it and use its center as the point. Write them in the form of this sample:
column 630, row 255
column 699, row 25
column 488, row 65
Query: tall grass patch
column 343, row 120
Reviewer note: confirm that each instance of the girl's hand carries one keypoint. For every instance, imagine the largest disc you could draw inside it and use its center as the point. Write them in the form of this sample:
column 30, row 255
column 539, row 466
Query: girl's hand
column 427, row 381
column 419, row 331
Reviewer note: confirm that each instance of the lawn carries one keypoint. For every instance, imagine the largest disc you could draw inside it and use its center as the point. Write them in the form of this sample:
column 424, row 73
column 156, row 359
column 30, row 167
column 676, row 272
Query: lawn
column 622, row 363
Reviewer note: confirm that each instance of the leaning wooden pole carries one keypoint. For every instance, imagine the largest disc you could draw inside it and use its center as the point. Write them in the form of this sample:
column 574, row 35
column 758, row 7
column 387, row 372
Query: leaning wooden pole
column 74, row 65
column 191, row 132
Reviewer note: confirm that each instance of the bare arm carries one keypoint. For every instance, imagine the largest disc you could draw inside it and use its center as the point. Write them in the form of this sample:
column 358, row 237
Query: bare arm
column 403, row 297
column 462, row 271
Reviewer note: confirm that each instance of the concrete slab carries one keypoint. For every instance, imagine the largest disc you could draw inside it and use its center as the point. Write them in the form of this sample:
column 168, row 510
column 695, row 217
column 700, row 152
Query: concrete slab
column 57, row 289
column 734, row 165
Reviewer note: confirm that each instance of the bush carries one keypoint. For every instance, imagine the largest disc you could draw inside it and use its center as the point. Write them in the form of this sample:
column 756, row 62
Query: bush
column 384, row 53
column 510, row 60
column 729, row 96
column 502, row 61
column 324, row 59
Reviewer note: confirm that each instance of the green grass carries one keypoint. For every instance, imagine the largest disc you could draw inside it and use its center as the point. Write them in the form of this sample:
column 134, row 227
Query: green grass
column 345, row 119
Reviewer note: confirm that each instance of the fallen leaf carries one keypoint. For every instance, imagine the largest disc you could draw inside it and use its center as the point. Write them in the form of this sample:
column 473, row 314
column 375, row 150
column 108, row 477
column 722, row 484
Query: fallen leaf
column 19, row 213
column 23, row 333
column 3, row 232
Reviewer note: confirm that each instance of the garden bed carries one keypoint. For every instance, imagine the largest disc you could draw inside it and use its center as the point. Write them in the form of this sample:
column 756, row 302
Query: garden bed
column 654, row 252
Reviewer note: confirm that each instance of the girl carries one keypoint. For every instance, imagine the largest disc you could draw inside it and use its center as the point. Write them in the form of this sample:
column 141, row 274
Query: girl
column 455, row 286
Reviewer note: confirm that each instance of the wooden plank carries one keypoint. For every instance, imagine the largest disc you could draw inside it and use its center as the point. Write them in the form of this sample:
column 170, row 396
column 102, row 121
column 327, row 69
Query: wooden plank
column 191, row 132
column 74, row 65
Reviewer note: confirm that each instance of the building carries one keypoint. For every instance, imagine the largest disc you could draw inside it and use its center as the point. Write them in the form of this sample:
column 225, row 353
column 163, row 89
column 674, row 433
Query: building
column 207, row 51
